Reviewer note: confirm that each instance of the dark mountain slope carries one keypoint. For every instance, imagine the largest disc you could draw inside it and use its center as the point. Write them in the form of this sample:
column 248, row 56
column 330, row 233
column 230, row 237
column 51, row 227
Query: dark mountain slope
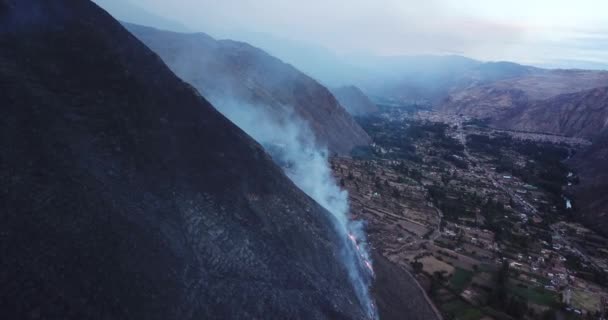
column 125, row 195
column 354, row 100
column 226, row 69
column 398, row 295
column 581, row 114
column 592, row 192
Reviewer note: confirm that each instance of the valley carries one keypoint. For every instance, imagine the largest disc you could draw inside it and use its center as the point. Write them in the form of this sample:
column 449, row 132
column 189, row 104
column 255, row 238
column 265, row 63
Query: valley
column 479, row 215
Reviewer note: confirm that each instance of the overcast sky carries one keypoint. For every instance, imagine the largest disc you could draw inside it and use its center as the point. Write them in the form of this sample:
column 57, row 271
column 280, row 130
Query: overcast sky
column 544, row 32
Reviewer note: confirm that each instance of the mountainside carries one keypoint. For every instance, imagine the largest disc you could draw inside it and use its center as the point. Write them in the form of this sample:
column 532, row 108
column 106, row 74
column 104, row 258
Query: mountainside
column 496, row 99
column 592, row 168
column 229, row 72
column 581, row 114
column 316, row 61
column 126, row 195
column 354, row 100
column 127, row 11
column 398, row 296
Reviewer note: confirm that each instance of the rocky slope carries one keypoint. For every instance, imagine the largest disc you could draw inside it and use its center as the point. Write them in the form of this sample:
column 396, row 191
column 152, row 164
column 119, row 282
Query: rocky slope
column 496, row 99
column 125, row 195
column 229, row 72
column 354, row 100
column 581, row 114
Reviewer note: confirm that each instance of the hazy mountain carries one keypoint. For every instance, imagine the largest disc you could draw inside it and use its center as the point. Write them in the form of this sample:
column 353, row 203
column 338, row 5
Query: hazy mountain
column 430, row 79
column 496, row 99
column 354, row 100
column 126, row 195
column 236, row 75
column 580, row 114
column 318, row 62
column 403, row 78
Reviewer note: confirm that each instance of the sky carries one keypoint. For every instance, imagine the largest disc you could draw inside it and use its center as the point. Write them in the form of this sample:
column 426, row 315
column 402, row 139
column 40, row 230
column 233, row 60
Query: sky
column 552, row 33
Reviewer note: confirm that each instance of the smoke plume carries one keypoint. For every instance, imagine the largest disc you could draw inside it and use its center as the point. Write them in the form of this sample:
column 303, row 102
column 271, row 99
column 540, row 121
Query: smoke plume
column 292, row 145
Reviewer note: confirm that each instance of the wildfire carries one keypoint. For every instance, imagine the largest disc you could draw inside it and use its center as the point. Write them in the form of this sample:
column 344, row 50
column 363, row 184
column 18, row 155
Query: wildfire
column 352, row 238
column 367, row 263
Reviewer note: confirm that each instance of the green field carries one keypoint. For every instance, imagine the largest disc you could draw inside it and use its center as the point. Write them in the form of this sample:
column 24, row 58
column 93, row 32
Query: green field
column 537, row 295
column 461, row 279
column 461, row 310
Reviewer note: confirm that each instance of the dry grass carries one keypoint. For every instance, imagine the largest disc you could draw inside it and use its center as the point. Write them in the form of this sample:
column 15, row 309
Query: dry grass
column 585, row 300
column 432, row 265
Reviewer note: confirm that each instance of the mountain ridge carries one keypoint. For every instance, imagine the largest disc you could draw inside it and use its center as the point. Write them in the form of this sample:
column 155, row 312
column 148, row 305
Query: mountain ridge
column 243, row 74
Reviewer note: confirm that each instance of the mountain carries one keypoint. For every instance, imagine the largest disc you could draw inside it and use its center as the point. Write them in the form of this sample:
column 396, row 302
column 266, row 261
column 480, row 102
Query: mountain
column 581, row 114
column 496, row 99
column 320, row 63
column 430, row 79
column 126, row 195
column 590, row 194
column 354, row 100
column 125, row 10
column 425, row 78
column 229, row 72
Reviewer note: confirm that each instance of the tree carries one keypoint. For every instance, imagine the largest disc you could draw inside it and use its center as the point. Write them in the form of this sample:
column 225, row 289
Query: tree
column 417, row 266
column 548, row 315
column 498, row 297
column 517, row 307
column 396, row 193
column 436, row 281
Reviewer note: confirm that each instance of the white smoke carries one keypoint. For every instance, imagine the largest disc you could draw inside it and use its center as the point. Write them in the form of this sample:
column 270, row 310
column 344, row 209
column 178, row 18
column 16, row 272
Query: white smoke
column 292, row 145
